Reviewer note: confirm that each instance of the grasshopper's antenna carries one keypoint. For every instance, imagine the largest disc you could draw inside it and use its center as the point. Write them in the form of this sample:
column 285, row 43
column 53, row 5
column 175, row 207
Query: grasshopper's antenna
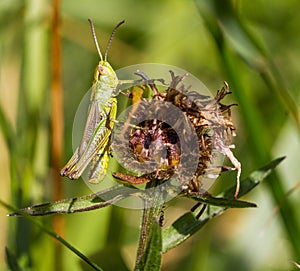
column 111, row 38
column 95, row 38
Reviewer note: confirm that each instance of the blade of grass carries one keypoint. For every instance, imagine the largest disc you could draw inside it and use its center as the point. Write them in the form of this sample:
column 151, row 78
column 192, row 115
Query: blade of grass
column 29, row 158
column 254, row 179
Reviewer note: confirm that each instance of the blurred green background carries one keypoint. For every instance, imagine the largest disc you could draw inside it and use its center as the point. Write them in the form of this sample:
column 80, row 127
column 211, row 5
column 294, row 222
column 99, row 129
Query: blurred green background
column 253, row 45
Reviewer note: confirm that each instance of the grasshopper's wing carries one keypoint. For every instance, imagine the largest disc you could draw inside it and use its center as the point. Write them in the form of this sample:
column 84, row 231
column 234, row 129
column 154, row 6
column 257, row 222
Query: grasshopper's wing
column 98, row 139
column 93, row 120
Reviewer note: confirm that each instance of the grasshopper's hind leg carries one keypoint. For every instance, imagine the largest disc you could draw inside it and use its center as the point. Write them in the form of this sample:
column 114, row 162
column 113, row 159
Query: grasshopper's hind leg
column 99, row 165
column 94, row 144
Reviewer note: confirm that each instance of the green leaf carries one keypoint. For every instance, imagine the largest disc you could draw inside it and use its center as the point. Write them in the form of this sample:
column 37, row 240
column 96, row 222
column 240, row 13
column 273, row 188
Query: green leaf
column 80, row 204
column 222, row 202
column 154, row 250
column 186, row 225
column 183, row 228
column 253, row 179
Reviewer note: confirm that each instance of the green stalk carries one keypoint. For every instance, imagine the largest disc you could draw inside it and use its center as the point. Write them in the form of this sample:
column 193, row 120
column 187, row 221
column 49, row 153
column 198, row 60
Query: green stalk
column 151, row 214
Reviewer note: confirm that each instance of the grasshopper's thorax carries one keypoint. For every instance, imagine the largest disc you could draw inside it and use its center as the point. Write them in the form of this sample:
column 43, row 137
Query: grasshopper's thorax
column 105, row 81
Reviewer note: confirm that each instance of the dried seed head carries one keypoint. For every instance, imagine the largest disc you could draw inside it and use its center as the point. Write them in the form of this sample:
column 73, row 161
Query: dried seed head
column 157, row 143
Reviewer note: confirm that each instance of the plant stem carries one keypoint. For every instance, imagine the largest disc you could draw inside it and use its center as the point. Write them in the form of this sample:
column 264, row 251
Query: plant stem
column 151, row 212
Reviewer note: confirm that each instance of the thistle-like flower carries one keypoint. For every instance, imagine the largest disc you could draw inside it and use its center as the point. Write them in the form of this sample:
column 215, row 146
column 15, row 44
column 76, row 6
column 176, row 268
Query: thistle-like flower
column 155, row 144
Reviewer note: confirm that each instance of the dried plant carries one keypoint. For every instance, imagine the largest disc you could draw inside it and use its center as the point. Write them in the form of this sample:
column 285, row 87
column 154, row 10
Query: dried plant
column 156, row 142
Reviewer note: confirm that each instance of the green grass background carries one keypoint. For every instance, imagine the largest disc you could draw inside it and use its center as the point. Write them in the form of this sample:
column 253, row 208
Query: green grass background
column 254, row 45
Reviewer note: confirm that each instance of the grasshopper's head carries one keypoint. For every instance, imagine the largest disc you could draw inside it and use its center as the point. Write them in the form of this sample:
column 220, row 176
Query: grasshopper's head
column 105, row 74
column 103, row 70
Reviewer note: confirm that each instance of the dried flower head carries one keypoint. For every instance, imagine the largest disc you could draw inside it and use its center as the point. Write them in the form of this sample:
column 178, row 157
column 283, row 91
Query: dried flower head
column 157, row 142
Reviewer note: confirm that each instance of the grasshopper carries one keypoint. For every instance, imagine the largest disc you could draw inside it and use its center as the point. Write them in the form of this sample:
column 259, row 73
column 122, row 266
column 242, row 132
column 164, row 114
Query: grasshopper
column 95, row 142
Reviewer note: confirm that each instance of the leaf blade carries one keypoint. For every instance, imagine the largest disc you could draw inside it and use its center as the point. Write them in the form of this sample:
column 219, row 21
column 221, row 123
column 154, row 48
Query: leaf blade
column 79, row 204
column 187, row 225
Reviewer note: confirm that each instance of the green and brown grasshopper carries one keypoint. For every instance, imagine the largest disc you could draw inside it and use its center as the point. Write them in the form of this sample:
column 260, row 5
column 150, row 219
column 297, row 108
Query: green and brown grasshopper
column 95, row 142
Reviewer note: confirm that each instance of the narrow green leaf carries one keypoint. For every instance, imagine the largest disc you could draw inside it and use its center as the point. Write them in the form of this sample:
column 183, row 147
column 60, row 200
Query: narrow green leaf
column 253, row 179
column 219, row 201
column 154, row 250
column 80, row 204
column 11, row 261
column 186, row 225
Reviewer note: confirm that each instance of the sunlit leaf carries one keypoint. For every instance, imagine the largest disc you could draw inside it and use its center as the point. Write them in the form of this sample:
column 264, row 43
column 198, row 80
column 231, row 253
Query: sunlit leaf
column 186, row 225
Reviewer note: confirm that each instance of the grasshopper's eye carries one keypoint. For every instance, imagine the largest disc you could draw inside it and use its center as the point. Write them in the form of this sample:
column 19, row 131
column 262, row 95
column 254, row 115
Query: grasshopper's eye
column 102, row 70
